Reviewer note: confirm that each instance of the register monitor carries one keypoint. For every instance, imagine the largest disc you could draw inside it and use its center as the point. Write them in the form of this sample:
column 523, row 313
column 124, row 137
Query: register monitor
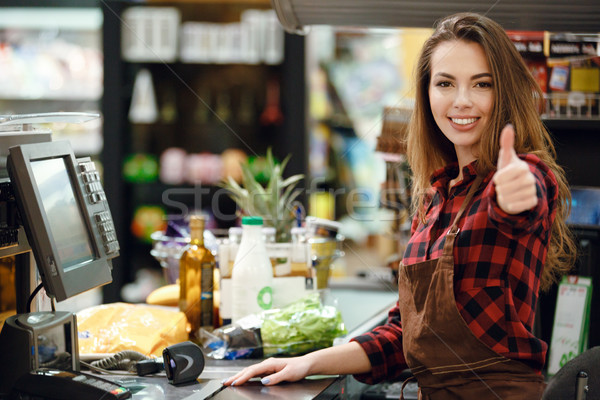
column 585, row 207
column 65, row 215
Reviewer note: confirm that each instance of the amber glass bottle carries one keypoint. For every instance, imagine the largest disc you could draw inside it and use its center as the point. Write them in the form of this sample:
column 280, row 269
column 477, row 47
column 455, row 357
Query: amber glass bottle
column 196, row 269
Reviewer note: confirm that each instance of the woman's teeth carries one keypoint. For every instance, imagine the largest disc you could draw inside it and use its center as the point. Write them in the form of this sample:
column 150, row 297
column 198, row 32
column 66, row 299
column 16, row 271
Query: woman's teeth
column 463, row 121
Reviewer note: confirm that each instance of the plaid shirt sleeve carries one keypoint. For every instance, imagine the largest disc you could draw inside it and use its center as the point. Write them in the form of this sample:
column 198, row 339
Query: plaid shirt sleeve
column 383, row 346
column 499, row 259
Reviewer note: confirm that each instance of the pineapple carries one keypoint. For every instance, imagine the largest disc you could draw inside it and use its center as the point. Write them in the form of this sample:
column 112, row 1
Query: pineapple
column 274, row 203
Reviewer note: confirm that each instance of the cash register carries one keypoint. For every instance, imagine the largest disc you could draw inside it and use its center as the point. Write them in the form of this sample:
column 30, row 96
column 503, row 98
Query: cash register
column 52, row 206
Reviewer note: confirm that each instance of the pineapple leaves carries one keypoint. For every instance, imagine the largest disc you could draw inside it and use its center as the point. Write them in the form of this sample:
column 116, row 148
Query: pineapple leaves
column 273, row 202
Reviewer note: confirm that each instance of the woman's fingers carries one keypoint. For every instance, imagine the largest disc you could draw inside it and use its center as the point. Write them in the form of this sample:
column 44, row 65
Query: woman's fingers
column 277, row 377
column 249, row 372
column 516, row 191
column 519, row 206
column 516, row 171
column 273, row 371
column 515, row 188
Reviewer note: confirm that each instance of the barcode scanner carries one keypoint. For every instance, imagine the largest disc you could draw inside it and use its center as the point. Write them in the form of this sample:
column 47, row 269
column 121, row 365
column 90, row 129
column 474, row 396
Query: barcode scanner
column 183, row 362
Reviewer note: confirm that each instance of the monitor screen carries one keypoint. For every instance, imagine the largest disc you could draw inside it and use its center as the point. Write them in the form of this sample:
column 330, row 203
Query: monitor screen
column 585, row 206
column 65, row 215
column 63, row 212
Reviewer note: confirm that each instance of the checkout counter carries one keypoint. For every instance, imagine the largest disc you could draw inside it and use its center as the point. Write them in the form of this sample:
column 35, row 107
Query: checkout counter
column 363, row 306
column 54, row 208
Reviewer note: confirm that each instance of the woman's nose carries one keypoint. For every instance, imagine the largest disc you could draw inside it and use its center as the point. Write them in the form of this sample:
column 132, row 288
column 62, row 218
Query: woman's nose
column 463, row 97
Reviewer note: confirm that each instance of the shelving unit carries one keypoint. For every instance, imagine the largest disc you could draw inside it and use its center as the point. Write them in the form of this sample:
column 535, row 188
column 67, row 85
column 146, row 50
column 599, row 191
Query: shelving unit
column 264, row 3
column 52, row 61
column 189, row 87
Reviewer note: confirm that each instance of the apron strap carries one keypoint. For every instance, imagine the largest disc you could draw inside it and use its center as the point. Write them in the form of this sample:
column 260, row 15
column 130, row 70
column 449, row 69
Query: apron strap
column 411, row 378
column 453, row 231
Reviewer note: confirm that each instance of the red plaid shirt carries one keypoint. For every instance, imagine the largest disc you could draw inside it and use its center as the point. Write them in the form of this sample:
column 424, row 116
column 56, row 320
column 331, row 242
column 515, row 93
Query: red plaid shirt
column 498, row 261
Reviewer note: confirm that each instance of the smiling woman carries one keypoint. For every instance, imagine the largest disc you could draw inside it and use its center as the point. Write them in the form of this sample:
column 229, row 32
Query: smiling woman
column 489, row 231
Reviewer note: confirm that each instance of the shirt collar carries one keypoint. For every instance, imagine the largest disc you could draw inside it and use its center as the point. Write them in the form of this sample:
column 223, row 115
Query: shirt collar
column 442, row 177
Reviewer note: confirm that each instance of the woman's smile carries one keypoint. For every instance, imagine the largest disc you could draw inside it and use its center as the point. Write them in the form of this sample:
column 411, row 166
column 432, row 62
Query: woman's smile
column 463, row 122
column 461, row 95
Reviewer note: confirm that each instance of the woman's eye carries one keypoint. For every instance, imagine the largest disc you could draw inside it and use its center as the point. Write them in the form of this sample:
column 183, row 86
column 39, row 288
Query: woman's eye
column 483, row 84
column 443, row 84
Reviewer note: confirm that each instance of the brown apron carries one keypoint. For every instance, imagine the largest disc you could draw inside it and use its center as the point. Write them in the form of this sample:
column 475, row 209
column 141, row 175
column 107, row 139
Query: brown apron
column 446, row 358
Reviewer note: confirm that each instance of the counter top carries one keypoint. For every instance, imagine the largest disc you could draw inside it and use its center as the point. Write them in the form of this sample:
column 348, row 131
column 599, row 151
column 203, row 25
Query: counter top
column 362, row 310
column 157, row 387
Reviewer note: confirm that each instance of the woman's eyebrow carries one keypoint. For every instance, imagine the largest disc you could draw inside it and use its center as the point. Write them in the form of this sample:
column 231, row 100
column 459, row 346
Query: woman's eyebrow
column 476, row 76
column 445, row 75
column 482, row 75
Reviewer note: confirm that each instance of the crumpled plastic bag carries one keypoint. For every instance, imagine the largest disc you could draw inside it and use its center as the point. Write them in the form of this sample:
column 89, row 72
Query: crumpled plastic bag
column 111, row 328
column 298, row 328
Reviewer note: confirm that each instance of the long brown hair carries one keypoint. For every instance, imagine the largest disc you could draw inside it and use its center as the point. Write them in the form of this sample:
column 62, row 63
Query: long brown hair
column 517, row 99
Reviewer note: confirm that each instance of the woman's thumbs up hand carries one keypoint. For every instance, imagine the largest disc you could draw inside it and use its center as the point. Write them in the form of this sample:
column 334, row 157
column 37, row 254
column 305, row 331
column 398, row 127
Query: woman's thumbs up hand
column 515, row 183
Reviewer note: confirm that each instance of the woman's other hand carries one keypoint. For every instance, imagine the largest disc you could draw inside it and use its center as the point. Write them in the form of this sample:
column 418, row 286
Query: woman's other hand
column 515, row 183
column 273, row 371
column 345, row 359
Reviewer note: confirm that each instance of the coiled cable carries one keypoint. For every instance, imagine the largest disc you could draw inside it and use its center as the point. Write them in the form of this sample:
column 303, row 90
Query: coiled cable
column 123, row 360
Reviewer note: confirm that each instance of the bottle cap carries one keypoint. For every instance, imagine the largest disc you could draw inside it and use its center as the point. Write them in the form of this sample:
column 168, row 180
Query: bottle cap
column 298, row 230
column 269, row 234
column 197, row 221
column 322, row 227
column 269, row 230
column 252, row 221
column 235, row 230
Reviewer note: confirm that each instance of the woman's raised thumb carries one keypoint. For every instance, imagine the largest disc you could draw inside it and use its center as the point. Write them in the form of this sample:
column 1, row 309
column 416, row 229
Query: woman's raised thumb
column 507, row 142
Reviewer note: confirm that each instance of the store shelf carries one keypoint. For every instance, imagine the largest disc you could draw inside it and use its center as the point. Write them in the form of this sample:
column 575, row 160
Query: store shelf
column 216, row 2
column 188, row 98
column 52, row 61
column 79, row 19
column 586, row 124
column 175, row 195
column 67, row 98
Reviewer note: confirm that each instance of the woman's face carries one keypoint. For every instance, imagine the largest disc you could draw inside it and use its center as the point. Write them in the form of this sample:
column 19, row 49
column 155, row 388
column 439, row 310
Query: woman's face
column 461, row 94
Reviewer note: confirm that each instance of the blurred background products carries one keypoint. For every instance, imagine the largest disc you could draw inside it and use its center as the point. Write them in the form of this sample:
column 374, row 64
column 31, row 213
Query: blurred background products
column 52, row 60
column 146, row 220
column 150, row 34
column 178, row 167
column 170, row 242
column 325, row 247
column 204, row 71
column 203, row 168
column 140, row 167
column 143, row 109
column 257, row 37
column 172, row 166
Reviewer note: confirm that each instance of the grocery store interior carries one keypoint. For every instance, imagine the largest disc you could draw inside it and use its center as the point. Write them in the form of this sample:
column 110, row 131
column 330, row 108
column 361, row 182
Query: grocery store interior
column 186, row 91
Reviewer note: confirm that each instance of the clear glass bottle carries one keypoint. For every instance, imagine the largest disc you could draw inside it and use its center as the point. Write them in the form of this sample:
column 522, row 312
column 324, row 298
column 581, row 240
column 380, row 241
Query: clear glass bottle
column 252, row 275
column 235, row 237
column 196, row 280
column 269, row 233
column 301, row 262
column 227, row 252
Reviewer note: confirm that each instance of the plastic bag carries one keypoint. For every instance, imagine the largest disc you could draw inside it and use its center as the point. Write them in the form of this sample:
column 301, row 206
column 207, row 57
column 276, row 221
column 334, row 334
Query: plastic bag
column 111, row 328
column 298, row 328
column 239, row 340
